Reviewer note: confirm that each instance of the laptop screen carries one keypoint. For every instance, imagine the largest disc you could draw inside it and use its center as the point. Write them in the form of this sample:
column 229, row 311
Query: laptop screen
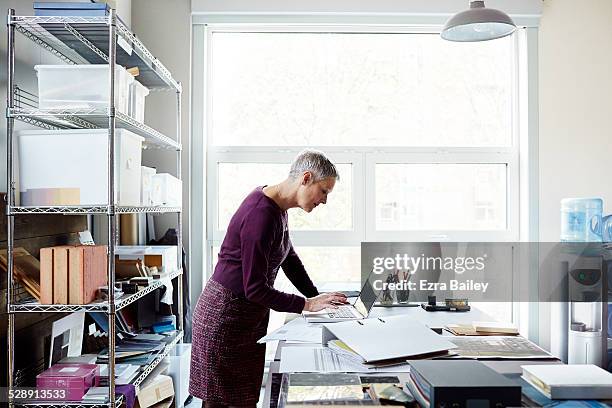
column 366, row 298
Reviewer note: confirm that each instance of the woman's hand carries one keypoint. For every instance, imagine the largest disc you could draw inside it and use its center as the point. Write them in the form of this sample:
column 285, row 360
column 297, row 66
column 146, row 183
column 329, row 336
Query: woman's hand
column 331, row 300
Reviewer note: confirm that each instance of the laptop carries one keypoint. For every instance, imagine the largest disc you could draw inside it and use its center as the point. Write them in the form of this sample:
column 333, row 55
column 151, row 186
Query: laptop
column 358, row 310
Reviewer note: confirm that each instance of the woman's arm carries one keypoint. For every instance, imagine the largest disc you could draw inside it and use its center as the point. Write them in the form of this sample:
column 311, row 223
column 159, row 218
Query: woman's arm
column 295, row 271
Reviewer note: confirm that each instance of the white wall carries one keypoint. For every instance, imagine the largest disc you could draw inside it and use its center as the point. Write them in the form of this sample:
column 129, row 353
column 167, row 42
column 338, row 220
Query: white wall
column 575, row 137
column 575, row 106
column 164, row 27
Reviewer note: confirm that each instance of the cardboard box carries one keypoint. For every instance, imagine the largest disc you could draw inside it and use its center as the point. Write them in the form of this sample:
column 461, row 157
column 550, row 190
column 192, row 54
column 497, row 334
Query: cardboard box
column 155, row 390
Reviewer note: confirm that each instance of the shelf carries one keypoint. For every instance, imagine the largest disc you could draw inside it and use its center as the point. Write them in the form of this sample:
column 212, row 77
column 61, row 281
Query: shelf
column 143, row 375
column 88, row 40
column 91, row 119
column 55, row 404
column 137, row 382
column 101, row 306
column 84, row 40
column 100, row 209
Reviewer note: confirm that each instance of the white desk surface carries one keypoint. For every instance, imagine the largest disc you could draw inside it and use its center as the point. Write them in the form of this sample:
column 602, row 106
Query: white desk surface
column 433, row 319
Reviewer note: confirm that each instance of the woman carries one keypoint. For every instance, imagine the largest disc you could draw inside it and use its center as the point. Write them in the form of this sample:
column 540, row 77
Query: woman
column 232, row 313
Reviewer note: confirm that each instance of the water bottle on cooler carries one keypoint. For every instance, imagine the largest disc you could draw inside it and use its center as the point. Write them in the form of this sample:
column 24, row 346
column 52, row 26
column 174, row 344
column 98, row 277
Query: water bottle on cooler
column 581, row 220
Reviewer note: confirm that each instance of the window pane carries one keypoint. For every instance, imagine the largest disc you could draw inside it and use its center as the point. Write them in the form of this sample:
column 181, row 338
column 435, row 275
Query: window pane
column 331, row 264
column 237, row 180
column 352, row 89
column 440, row 196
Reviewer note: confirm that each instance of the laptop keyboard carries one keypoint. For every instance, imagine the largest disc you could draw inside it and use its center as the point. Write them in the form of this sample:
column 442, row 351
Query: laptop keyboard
column 341, row 312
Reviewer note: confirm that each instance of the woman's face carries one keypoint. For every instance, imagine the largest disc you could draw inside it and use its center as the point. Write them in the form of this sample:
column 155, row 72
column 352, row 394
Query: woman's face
column 312, row 193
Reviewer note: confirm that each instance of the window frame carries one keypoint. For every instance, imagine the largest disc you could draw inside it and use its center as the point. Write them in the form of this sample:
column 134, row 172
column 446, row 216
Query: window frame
column 364, row 159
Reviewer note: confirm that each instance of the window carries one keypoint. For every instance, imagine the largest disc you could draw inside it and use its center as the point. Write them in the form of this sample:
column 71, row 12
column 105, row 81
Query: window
column 424, row 133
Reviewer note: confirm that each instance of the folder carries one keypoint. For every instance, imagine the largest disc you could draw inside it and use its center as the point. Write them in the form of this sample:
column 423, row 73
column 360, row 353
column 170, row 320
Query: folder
column 87, row 272
column 60, row 275
column 46, row 276
column 389, row 338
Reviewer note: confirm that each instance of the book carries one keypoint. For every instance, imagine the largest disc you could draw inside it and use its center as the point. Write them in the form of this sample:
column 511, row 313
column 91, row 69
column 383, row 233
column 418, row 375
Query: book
column 311, row 387
column 575, row 381
column 46, row 276
column 60, row 275
column 469, row 330
column 495, row 327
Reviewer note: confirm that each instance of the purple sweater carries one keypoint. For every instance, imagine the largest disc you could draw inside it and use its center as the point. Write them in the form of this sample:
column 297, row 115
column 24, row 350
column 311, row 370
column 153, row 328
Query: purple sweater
column 256, row 244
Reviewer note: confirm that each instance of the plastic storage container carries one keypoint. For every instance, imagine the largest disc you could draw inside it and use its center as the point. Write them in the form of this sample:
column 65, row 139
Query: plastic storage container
column 146, row 187
column 71, row 9
column 70, row 167
column 179, row 359
column 138, row 93
column 81, row 87
column 75, row 379
column 167, row 190
column 581, row 219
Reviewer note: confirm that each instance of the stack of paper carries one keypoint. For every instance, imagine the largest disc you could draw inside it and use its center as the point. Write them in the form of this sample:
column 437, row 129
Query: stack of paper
column 576, row 381
column 124, row 373
column 296, row 331
column 341, row 349
column 96, row 394
column 319, row 359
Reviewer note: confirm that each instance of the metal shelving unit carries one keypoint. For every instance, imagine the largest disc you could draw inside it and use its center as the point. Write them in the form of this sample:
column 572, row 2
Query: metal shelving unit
column 88, row 40
column 85, row 210
column 43, row 404
column 100, row 306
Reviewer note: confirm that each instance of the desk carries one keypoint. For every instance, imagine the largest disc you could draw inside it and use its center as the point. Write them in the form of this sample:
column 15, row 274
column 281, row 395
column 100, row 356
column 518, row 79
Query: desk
column 430, row 319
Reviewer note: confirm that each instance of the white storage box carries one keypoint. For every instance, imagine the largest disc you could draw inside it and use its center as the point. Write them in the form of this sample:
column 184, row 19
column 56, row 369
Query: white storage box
column 167, row 190
column 81, row 87
column 162, row 256
column 179, row 359
column 147, row 185
column 70, row 167
column 138, row 93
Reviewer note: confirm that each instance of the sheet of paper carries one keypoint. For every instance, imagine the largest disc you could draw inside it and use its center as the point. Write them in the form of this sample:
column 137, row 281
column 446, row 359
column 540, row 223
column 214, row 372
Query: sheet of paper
column 319, row 359
column 297, row 331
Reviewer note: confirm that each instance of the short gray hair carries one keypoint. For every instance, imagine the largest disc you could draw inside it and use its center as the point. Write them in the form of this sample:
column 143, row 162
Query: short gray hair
column 315, row 162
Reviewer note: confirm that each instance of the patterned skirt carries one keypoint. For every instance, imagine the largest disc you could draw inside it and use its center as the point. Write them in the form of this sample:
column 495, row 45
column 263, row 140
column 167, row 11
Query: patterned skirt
column 227, row 364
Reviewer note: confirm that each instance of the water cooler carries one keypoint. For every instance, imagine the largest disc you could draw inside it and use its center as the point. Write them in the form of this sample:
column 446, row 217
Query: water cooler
column 587, row 337
column 586, row 262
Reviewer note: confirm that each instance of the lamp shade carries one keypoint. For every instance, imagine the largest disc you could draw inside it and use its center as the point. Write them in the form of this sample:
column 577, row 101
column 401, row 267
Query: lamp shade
column 478, row 24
